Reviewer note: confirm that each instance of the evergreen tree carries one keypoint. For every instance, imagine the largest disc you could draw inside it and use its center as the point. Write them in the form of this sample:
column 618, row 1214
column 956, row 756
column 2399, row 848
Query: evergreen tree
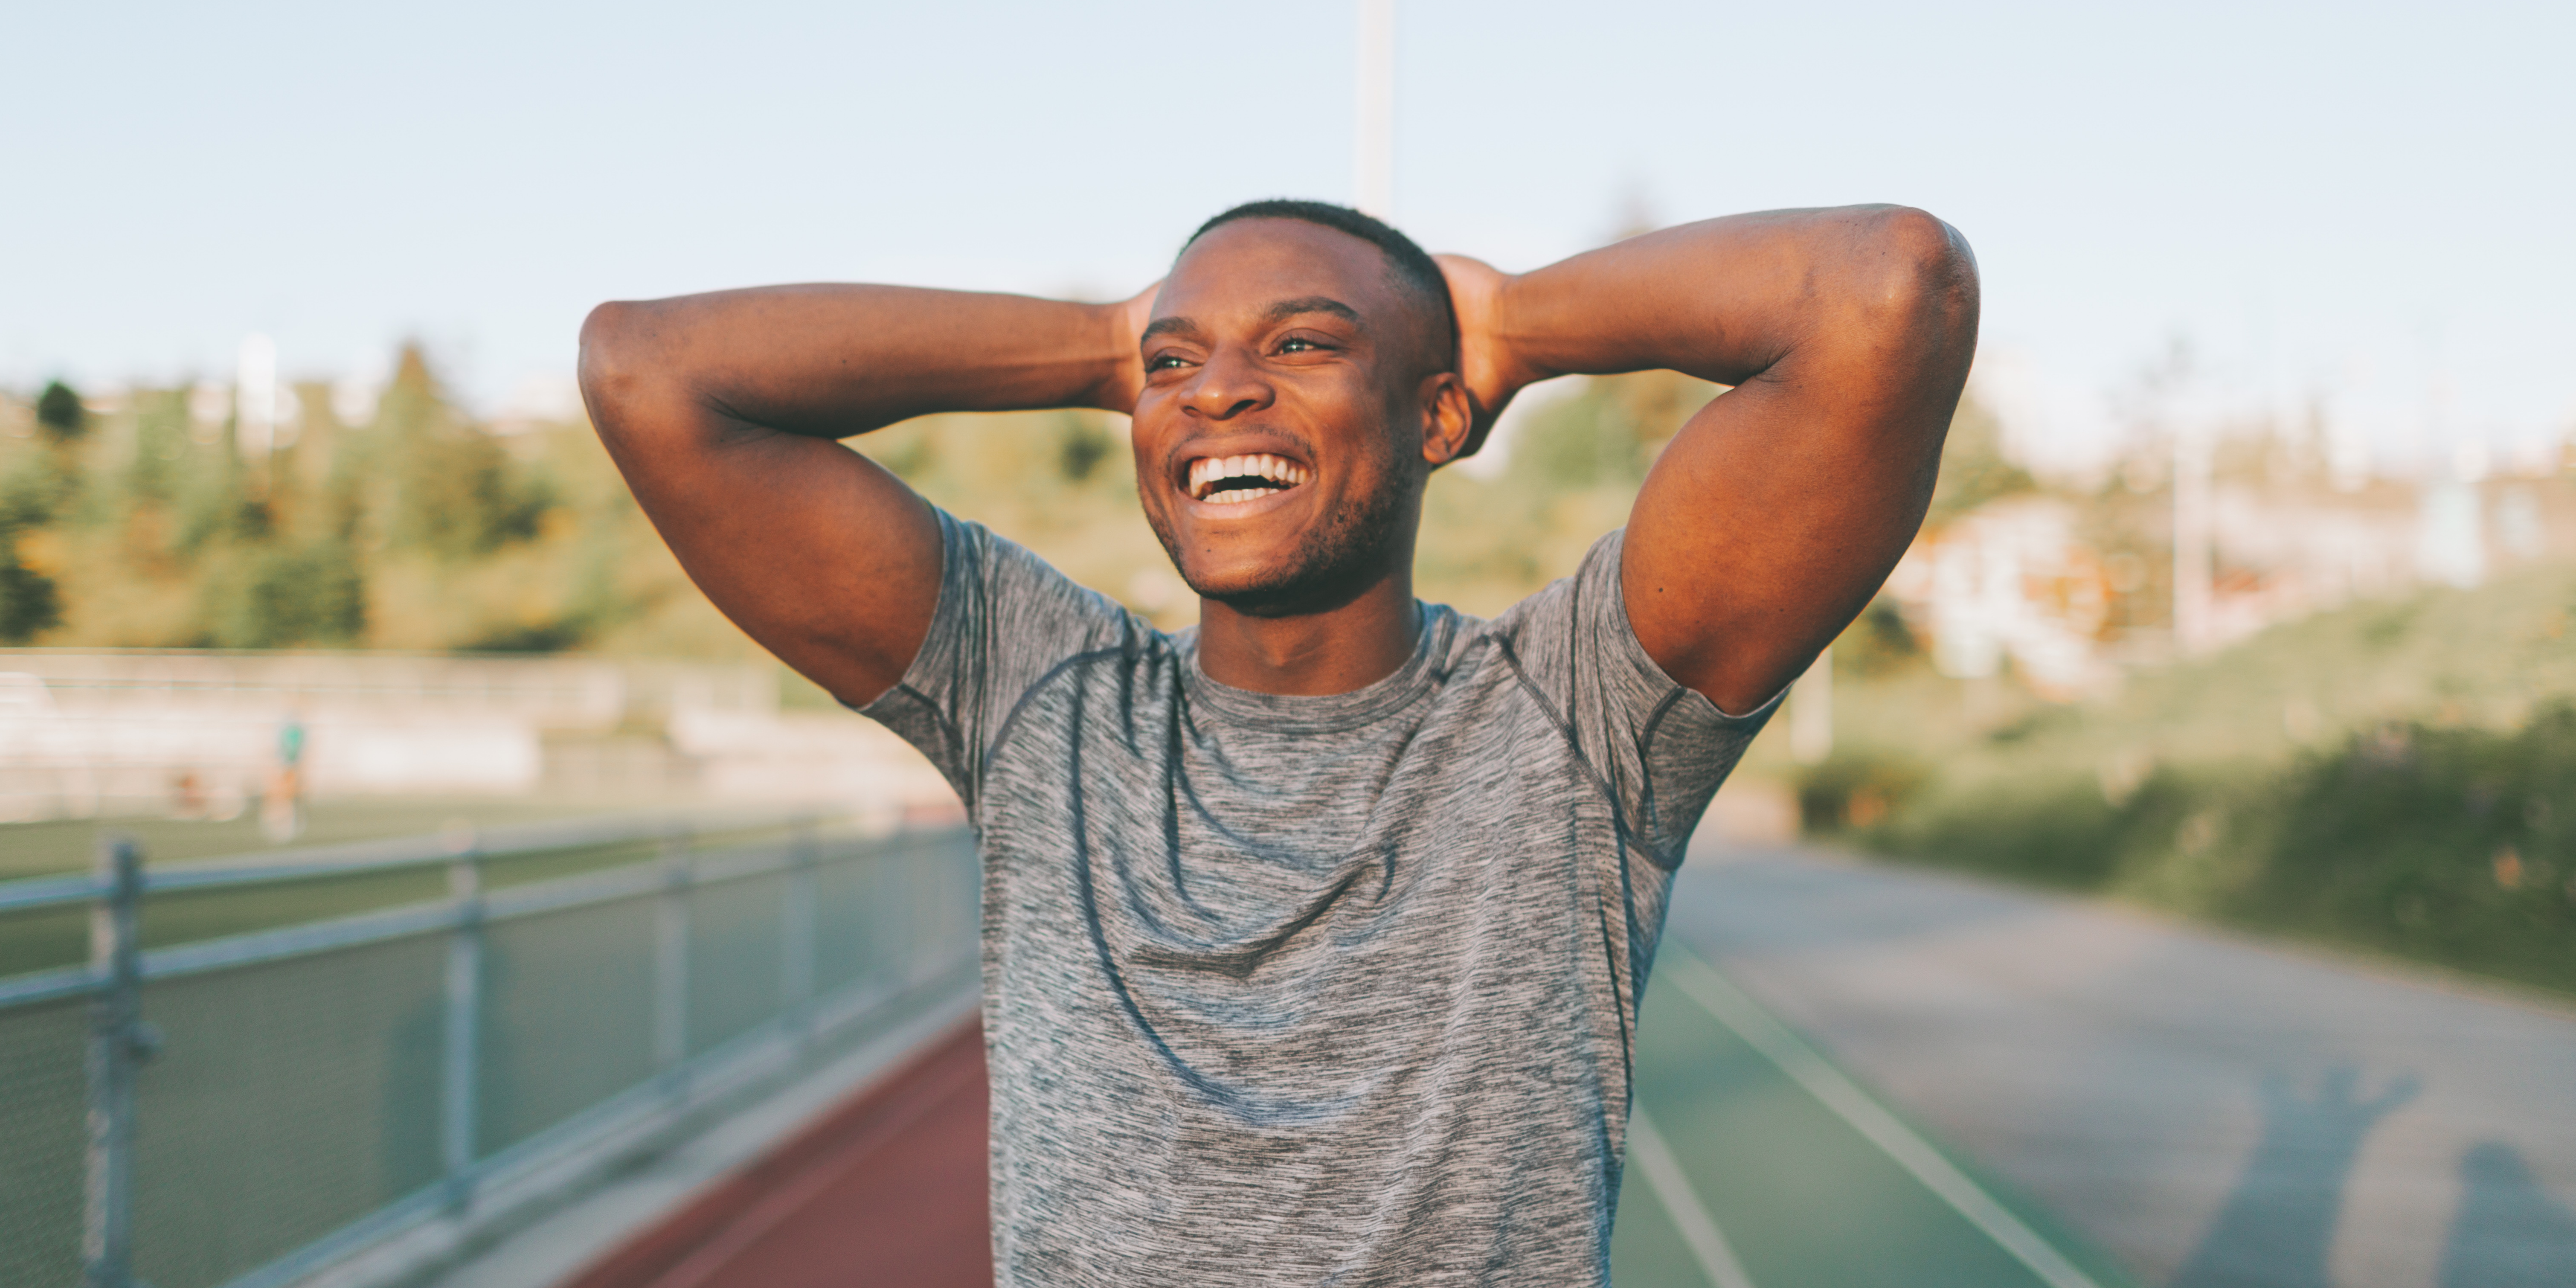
column 29, row 602
column 59, row 412
column 453, row 491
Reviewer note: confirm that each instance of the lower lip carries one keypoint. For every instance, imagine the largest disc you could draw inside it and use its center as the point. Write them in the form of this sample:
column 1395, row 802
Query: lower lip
column 1242, row 509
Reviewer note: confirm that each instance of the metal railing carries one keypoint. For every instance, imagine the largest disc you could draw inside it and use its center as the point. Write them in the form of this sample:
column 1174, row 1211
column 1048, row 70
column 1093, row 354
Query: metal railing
column 245, row 1111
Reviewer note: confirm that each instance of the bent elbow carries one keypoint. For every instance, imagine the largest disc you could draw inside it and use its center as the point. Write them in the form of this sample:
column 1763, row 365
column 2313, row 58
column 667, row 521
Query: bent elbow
column 611, row 365
column 1920, row 272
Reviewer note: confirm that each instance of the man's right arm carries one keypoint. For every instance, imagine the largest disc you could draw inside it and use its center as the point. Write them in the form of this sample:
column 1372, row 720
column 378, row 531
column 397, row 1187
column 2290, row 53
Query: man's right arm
column 722, row 411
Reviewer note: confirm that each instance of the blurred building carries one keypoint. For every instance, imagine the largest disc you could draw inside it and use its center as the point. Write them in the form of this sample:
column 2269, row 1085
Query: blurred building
column 86, row 734
column 2054, row 585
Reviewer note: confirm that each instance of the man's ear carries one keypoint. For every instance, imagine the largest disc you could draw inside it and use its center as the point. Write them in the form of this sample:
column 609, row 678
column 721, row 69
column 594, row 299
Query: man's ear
column 1448, row 417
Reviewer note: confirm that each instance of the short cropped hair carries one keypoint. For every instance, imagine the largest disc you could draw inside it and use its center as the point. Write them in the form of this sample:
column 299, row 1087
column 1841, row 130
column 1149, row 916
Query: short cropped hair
column 1412, row 270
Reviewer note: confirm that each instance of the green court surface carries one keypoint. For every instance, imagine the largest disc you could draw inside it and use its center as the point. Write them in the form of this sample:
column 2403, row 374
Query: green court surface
column 1754, row 1163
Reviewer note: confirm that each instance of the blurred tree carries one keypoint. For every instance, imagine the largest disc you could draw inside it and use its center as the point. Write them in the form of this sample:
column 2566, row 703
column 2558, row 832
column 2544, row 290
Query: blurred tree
column 1080, row 449
column 1878, row 642
column 272, row 597
column 30, row 495
column 29, row 602
column 160, row 439
column 1608, row 433
column 210, row 499
column 60, row 414
column 453, row 493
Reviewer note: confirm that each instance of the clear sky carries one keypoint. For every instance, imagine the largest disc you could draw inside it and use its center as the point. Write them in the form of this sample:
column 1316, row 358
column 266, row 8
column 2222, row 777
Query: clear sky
column 2369, row 204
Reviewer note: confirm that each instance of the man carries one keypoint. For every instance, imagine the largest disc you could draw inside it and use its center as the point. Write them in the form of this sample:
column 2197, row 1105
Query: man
column 1313, row 936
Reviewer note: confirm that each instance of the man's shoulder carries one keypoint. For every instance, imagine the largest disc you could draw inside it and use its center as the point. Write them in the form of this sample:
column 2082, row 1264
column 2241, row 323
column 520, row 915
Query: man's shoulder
column 1035, row 603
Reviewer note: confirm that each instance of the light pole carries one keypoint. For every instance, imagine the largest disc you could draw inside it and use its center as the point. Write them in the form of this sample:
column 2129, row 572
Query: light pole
column 1373, row 142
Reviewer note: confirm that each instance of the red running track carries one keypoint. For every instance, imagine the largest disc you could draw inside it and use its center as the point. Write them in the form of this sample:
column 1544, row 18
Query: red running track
column 886, row 1188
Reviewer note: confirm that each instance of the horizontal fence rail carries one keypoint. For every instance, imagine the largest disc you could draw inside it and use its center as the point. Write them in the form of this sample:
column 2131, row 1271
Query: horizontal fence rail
column 246, row 1110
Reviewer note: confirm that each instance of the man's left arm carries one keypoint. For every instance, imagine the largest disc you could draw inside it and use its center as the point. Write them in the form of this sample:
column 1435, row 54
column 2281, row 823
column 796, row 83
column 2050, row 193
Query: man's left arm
column 1778, row 510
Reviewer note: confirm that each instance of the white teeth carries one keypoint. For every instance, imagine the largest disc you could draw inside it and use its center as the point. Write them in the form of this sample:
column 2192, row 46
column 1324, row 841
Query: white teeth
column 1208, row 470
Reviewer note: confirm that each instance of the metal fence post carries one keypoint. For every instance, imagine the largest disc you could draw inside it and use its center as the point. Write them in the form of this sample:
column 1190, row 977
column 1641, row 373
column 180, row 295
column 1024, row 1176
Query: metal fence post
column 671, row 964
column 461, row 1068
column 796, row 931
column 118, row 1042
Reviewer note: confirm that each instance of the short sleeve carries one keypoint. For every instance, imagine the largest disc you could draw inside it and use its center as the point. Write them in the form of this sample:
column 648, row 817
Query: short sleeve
column 1660, row 749
column 1005, row 620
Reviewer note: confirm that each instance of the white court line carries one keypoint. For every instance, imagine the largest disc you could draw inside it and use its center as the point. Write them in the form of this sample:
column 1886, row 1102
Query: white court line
column 1840, row 1094
column 1646, row 1148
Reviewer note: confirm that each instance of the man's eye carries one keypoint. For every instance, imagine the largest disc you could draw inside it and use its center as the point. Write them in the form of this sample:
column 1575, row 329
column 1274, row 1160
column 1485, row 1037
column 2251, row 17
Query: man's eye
column 1163, row 362
column 1297, row 344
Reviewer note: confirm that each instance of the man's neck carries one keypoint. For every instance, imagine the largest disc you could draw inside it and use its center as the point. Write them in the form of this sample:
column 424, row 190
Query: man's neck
column 1337, row 650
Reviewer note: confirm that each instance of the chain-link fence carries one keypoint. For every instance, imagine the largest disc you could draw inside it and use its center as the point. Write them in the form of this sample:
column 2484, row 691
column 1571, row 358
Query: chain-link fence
column 241, row 1111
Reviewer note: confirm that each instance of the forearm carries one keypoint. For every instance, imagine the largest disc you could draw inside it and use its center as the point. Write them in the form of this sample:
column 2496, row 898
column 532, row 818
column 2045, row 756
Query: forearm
column 1726, row 299
column 832, row 361
column 1777, row 510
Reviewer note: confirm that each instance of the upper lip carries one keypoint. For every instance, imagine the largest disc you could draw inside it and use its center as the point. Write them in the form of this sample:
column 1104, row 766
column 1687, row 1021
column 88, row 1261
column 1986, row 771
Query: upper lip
column 1252, row 444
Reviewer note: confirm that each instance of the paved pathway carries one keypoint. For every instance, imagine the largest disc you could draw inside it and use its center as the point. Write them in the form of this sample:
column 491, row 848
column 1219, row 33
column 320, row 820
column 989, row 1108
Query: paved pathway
column 2211, row 1111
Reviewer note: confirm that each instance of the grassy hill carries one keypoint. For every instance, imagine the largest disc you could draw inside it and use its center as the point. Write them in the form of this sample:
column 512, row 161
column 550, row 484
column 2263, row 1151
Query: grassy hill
column 2397, row 776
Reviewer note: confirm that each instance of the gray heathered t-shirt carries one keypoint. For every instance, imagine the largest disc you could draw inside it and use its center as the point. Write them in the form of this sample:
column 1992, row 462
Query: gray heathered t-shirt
column 1308, row 990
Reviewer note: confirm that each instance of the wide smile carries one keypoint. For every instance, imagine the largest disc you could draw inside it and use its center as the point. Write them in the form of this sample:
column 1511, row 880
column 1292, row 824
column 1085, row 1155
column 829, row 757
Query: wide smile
column 1226, row 481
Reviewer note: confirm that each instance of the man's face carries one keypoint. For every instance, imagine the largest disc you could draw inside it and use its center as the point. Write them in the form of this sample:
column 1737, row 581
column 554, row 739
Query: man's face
column 1279, row 439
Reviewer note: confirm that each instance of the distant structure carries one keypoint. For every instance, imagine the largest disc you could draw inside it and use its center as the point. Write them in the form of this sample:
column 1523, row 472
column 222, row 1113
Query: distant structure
column 255, row 399
column 207, row 734
column 2027, row 581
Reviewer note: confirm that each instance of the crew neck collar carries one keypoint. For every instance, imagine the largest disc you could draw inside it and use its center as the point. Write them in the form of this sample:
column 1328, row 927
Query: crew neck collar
column 1325, row 712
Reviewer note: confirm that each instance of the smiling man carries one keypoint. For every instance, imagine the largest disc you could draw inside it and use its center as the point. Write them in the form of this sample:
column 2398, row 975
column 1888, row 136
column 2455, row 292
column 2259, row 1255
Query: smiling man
column 1314, row 935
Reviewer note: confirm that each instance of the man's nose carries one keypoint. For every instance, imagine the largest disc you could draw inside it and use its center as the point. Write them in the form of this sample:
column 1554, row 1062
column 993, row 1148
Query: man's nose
column 1229, row 385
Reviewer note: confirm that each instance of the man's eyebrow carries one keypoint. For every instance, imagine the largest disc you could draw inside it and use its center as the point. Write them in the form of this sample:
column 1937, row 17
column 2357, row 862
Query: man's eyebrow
column 1168, row 326
column 1279, row 312
column 1286, row 309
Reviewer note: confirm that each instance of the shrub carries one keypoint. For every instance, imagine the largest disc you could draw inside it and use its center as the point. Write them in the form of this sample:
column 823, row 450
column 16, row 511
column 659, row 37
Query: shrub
column 281, row 597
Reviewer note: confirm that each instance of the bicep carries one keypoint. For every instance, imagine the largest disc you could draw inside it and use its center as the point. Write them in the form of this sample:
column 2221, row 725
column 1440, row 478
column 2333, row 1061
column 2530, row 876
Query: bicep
column 1779, row 509
column 819, row 554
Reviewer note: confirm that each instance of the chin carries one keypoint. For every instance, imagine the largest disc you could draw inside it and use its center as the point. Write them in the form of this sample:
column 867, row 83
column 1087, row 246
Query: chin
column 1238, row 582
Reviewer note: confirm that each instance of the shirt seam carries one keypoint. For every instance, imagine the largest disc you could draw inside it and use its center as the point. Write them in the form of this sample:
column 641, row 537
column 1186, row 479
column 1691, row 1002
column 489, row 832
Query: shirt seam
column 1010, row 723
column 1574, row 743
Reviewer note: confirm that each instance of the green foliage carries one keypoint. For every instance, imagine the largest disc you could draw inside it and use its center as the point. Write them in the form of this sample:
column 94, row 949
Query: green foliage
column 29, row 602
column 269, row 596
column 2453, row 844
column 2448, row 845
column 31, row 493
column 452, row 491
column 160, row 440
column 1878, row 643
column 60, row 414
column 417, row 530
column 2399, row 778
column 1080, row 447
column 1606, row 434
column 35, row 490
column 1857, row 789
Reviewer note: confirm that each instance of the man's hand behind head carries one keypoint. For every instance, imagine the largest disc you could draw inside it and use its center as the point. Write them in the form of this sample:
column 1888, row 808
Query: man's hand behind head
column 1132, row 315
column 1486, row 364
